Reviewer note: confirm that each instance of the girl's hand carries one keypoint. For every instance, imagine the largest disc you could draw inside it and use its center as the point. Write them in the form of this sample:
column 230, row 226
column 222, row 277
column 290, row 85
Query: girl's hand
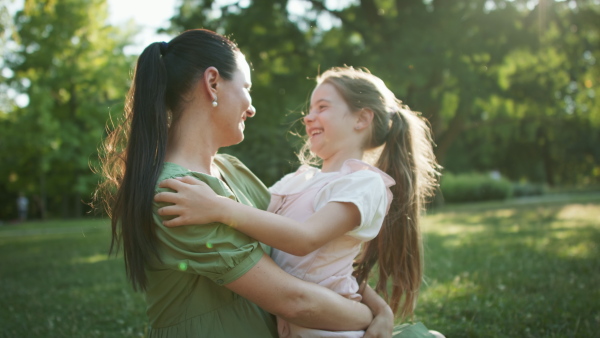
column 194, row 202
column 381, row 326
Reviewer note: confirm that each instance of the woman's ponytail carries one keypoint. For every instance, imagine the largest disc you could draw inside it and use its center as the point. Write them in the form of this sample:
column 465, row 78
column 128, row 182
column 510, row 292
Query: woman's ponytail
column 133, row 153
column 147, row 120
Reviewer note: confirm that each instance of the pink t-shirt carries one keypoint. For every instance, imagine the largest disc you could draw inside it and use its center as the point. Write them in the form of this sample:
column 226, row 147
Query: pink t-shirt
column 299, row 195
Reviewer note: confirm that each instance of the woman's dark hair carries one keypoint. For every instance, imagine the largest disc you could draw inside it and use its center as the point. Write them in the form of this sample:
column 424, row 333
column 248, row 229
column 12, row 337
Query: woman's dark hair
column 133, row 153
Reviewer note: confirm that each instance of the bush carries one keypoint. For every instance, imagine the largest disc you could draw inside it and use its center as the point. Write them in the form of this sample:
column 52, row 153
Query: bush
column 474, row 188
column 522, row 189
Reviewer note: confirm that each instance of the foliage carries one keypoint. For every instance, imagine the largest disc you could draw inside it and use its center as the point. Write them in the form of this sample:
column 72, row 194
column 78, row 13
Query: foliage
column 474, row 187
column 507, row 85
column 71, row 66
column 509, row 269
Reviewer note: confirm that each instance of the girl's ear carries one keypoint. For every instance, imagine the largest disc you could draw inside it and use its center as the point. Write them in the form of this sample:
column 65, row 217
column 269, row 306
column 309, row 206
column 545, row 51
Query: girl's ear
column 211, row 78
column 364, row 119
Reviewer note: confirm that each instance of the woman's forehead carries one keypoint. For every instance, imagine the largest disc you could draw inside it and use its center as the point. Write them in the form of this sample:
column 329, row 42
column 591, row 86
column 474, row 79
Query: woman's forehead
column 244, row 67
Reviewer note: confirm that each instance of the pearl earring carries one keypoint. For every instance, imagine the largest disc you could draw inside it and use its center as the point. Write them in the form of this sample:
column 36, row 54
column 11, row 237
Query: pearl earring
column 215, row 103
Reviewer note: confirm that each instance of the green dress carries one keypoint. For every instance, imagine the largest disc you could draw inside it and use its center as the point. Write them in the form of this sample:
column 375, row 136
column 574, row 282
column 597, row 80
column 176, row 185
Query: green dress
column 185, row 296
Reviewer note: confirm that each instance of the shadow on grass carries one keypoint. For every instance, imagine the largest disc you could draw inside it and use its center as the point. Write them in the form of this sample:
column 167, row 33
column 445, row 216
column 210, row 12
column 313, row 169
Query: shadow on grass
column 521, row 271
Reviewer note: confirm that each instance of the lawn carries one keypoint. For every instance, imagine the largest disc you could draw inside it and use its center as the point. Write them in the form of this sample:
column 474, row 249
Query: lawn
column 57, row 281
column 522, row 268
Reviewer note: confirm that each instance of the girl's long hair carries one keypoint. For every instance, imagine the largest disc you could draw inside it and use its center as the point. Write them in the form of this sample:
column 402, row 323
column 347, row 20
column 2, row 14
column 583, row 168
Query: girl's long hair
column 404, row 143
column 133, row 153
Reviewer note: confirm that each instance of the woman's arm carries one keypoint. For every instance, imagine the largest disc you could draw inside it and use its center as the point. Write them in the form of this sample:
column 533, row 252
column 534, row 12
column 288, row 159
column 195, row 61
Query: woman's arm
column 302, row 303
column 196, row 203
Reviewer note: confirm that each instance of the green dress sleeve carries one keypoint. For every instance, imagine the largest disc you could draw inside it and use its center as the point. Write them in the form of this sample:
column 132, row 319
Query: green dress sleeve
column 214, row 250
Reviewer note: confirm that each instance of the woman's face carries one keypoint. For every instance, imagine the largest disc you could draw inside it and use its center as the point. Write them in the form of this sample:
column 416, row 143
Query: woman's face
column 235, row 104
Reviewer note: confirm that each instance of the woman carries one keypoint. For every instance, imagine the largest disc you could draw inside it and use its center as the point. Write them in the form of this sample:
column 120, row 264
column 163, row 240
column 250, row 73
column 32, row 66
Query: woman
column 189, row 98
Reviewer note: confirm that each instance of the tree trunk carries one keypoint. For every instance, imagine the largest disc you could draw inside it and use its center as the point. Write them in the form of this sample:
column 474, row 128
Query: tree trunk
column 447, row 138
column 78, row 205
column 43, row 211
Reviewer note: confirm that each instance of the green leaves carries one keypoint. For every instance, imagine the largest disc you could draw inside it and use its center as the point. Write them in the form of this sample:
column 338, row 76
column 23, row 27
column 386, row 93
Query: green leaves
column 76, row 72
column 505, row 85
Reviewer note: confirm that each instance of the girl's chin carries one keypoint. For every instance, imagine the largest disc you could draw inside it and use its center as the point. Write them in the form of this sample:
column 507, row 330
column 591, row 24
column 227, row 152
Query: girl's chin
column 316, row 151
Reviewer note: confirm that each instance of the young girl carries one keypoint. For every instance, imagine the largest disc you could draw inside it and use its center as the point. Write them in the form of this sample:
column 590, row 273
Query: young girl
column 331, row 212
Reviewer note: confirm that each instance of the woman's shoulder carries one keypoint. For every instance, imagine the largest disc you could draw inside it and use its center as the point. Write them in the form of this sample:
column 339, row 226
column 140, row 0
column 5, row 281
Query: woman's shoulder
column 171, row 170
column 230, row 159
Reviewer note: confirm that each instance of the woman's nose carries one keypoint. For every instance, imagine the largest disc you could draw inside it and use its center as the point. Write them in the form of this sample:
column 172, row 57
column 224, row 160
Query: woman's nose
column 251, row 111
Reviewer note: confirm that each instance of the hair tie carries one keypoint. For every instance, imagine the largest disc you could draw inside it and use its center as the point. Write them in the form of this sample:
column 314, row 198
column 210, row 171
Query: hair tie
column 163, row 48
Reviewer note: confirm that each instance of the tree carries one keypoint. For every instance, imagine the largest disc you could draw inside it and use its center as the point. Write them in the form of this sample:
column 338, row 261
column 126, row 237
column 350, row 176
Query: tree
column 71, row 65
column 542, row 123
column 480, row 71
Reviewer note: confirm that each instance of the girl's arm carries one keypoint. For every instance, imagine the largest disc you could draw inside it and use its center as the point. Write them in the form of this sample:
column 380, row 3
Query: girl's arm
column 194, row 202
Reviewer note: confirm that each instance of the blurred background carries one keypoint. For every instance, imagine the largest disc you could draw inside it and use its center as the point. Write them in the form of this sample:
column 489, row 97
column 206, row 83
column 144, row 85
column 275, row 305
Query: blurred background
column 511, row 88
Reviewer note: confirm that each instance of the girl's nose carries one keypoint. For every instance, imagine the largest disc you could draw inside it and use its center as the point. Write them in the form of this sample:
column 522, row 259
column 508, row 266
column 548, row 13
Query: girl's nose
column 251, row 111
column 309, row 117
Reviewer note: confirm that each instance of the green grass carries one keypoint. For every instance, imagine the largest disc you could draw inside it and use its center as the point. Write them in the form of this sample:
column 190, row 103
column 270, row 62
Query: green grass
column 522, row 268
column 57, row 281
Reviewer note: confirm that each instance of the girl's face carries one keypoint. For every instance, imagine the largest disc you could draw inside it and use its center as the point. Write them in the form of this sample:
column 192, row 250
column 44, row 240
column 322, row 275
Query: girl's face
column 330, row 124
column 235, row 104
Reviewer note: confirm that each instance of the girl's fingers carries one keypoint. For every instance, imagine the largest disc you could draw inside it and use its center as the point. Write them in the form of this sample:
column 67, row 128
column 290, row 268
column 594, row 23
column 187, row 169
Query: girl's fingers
column 169, row 210
column 166, row 197
column 171, row 184
column 190, row 180
column 173, row 222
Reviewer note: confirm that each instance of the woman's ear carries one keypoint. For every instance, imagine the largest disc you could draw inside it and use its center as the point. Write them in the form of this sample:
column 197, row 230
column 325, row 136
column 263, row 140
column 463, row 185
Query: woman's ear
column 364, row 119
column 211, row 78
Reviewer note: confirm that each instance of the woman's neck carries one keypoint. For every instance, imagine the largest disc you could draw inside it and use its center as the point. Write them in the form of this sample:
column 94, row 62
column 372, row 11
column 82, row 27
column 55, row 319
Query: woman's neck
column 192, row 149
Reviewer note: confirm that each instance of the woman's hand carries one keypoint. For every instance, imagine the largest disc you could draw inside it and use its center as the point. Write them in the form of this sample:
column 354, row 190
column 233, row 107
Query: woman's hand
column 194, row 202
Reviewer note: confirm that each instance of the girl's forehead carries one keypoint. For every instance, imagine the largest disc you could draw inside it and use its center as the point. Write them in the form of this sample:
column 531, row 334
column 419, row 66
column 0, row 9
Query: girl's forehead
column 324, row 90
